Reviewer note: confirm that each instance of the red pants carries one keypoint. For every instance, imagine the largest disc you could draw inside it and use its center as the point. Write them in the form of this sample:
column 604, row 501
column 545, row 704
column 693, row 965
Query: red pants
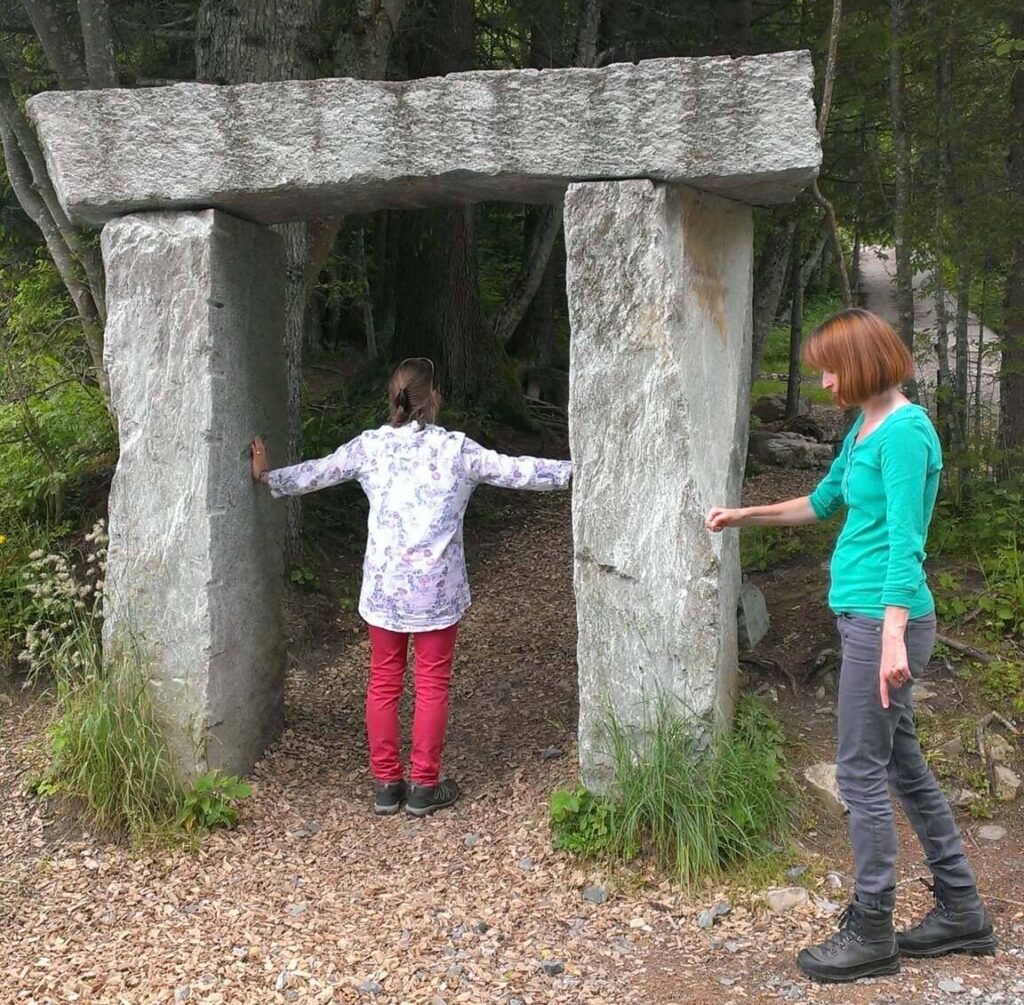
column 433, row 673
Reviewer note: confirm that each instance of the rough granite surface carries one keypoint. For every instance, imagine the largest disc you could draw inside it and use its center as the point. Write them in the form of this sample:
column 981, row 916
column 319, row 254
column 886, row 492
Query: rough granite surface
column 659, row 280
column 744, row 128
column 195, row 568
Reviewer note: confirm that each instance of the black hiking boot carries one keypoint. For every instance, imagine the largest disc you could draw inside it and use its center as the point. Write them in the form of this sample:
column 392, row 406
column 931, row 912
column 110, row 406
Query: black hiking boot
column 388, row 797
column 958, row 923
column 426, row 799
column 864, row 946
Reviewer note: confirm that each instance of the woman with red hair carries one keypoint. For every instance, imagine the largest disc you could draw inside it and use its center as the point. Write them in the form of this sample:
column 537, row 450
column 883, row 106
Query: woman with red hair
column 886, row 476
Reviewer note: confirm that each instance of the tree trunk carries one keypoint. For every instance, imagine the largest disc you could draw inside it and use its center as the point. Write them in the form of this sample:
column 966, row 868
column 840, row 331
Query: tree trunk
column 979, row 359
column 76, row 259
column 796, row 334
column 58, row 40
column 855, row 264
column 439, row 312
column 544, row 227
column 733, row 27
column 545, row 231
column 823, row 113
column 814, row 257
column 962, row 387
column 1011, row 374
column 365, row 298
column 98, row 34
column 255, row 42
column 534, row 340
column 590, row 24
column 363, row 47
column 769, row 279
column 944, row 390
column 901, row 151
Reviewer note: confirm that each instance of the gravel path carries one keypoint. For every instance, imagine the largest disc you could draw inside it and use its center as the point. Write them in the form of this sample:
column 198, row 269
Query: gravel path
column 313, row 899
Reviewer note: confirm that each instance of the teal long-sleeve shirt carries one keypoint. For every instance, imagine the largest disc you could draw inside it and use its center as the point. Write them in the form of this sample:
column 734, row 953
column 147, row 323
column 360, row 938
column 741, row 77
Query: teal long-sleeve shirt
column 888, row 483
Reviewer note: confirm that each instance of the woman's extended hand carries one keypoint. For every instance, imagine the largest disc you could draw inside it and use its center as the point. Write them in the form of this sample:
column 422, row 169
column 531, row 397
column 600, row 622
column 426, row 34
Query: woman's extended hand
column 895, row 669
column 720, row 518
column 258, row 455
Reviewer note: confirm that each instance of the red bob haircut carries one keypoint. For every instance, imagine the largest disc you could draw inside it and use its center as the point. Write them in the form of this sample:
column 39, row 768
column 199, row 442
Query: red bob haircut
column 864, row 353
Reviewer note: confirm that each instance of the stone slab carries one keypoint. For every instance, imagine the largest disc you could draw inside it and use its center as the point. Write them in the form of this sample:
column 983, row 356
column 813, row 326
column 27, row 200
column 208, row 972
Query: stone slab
column 659, row 284
column 753, row 622
column 289, row 150
column 195, row 568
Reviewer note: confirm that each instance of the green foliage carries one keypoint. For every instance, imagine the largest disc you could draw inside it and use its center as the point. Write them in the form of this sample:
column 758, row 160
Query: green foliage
column 48, row 440
column 776, row 349
column 582, row 822
column 981, row 525
column 304, row 578
column 55, row 433
column 694, row 810
column 813, row 392
column 982, row 808
column 104, row 743
column 1002, row 683
column 348, row 594
column 211, row 801
column 763, row 547
column 104, row 746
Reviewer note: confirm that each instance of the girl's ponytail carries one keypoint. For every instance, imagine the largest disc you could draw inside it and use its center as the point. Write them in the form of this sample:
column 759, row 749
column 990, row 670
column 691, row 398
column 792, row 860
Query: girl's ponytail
column 412, row 394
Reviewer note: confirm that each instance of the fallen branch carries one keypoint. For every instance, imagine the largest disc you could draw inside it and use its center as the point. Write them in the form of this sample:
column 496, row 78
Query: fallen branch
column 771, row 666
column 962, row 647
column 986, row 720
column 983, row 752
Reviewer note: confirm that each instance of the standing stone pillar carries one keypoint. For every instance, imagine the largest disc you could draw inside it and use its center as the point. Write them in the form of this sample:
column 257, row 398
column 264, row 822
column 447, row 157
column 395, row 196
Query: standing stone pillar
column 659, row 283
column 194, row 349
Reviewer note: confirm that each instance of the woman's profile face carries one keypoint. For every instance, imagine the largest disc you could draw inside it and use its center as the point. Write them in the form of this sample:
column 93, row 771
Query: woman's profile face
column 830, row 381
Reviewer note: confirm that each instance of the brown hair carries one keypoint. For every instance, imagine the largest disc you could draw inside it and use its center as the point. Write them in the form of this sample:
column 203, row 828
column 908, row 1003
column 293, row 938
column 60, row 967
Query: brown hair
column 413, row 393
column 863, row 351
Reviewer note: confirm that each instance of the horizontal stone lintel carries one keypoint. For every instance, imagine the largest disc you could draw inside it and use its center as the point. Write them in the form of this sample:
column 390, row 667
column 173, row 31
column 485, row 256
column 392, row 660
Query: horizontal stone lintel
column 291, row 150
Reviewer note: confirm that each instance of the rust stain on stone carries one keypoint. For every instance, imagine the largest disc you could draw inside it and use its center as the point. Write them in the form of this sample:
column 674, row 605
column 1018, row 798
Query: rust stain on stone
column 706, row 252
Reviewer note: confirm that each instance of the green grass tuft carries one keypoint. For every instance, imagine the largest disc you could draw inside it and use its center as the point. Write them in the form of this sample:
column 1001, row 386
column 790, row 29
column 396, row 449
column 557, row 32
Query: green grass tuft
column 694, row 812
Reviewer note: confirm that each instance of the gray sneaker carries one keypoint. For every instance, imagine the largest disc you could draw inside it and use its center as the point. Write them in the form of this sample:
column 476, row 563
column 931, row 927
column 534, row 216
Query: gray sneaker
column 388, row 797
column 426, row 799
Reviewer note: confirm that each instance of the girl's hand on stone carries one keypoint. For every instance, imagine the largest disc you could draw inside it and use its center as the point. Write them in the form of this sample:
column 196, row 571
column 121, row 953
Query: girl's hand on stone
column 258, row 455
column 718, row 519
column 894, row 671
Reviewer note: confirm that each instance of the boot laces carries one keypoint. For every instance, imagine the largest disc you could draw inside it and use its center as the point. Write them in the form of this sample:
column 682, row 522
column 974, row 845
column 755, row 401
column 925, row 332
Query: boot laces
column 848, row 932
column 938, row 910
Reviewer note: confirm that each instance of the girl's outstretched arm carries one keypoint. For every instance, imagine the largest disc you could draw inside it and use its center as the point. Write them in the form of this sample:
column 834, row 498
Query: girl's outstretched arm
column 344, row 464
column 537, row 473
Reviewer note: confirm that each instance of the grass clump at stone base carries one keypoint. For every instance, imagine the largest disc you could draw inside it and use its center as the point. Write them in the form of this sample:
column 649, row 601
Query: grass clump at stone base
column 103, row 750
column 693, row 812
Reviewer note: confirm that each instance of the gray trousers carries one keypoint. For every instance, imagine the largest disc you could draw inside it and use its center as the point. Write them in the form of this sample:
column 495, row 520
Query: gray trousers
column 878, row 750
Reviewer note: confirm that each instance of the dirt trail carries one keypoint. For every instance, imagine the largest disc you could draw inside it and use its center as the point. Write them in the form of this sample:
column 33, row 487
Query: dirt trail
column 877, row 289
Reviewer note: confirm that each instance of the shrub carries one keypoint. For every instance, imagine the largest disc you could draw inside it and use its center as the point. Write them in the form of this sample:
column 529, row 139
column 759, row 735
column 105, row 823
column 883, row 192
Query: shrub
column 693, row 811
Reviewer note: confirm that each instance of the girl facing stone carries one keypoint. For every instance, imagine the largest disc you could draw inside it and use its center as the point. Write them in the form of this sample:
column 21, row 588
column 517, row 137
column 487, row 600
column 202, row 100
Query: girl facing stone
column 418, row 478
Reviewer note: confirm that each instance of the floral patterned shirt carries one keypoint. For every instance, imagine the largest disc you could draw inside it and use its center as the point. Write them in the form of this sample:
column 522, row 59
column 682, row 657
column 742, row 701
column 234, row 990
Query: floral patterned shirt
column 418, row 480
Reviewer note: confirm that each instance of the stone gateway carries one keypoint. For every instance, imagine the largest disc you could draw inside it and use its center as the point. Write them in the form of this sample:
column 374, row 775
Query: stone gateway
column 658, row 164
